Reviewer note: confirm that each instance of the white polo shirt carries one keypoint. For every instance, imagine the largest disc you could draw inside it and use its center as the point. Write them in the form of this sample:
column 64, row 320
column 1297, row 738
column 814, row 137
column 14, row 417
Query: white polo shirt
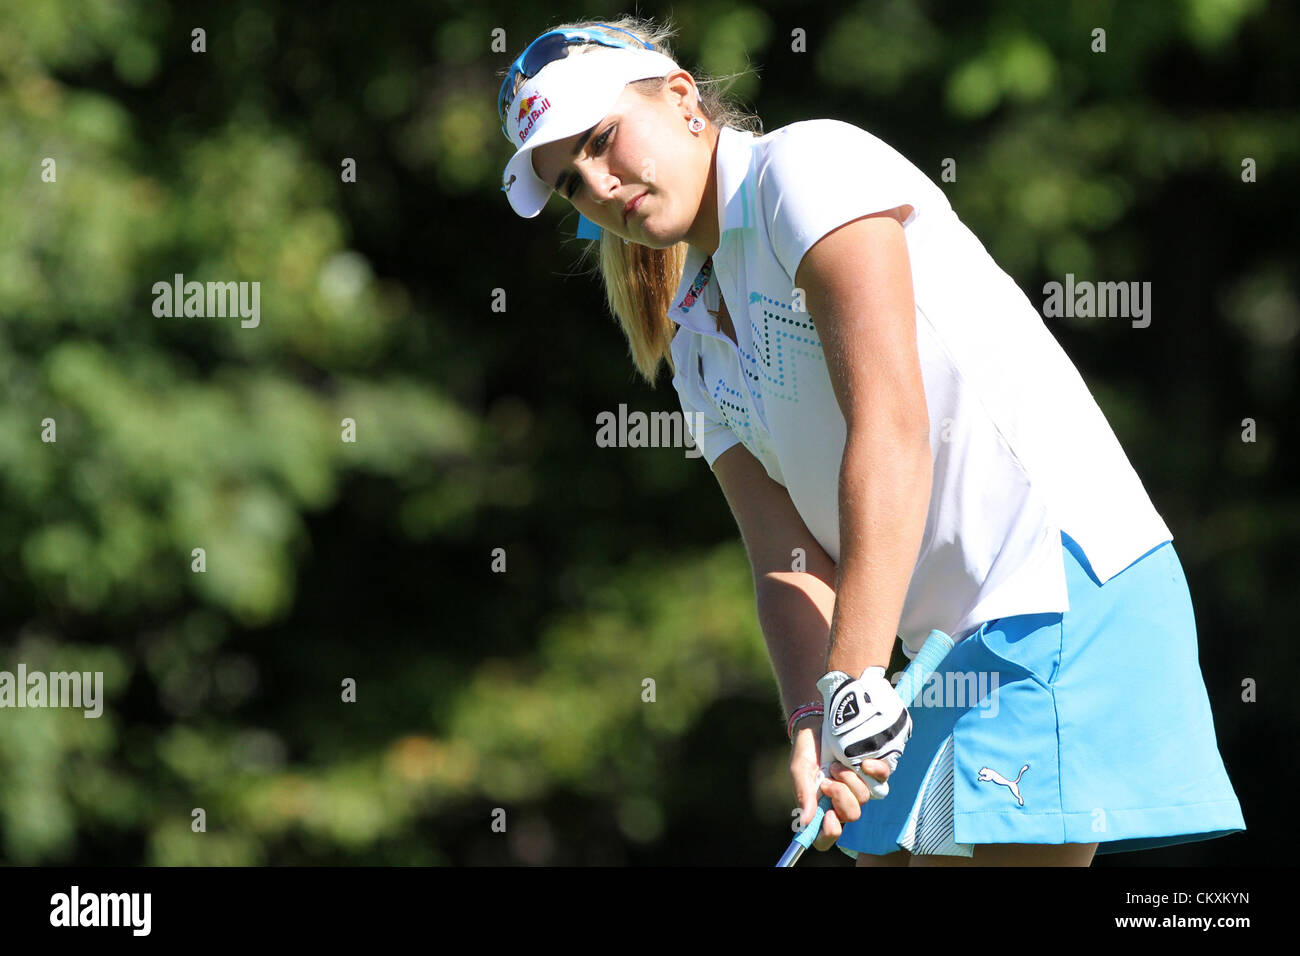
column 1021, row 450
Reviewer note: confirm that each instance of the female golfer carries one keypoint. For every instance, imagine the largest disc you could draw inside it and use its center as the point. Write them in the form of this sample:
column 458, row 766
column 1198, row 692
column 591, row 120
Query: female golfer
column 905, row 447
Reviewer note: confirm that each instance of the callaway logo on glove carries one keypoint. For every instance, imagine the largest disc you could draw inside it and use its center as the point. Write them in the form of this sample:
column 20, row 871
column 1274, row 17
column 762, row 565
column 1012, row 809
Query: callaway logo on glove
column 866, row 720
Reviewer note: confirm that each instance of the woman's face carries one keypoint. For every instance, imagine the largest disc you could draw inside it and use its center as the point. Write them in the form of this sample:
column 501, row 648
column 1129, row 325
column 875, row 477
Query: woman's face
column 642, row 145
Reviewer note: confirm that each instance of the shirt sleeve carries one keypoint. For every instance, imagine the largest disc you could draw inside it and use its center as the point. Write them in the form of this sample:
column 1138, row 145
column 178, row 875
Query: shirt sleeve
column 820, row 174
column 710, row 435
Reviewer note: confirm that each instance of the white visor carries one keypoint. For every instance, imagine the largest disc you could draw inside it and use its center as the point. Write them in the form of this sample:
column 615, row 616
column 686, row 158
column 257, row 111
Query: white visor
column 567, row 97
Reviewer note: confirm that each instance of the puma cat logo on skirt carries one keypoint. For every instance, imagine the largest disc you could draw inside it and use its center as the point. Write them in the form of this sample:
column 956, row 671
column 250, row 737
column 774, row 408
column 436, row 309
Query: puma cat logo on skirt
column 988, row 775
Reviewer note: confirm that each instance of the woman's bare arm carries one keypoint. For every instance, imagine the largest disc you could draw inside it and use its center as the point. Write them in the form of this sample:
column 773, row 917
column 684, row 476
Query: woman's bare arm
column 794, row 607
column 857, row 281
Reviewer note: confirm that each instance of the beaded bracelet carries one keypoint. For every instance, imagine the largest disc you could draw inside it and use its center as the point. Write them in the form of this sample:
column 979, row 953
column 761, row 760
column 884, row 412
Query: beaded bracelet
column 806, row 710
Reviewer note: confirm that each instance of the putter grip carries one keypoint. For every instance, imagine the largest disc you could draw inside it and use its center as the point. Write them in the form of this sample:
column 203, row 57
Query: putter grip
column 931, row 655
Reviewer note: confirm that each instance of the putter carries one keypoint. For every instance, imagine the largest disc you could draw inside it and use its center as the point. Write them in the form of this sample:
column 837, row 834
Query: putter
column 933, row 651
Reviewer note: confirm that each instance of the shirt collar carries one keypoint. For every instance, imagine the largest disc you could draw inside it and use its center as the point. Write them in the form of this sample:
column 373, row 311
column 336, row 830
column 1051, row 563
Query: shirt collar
column 735, row 211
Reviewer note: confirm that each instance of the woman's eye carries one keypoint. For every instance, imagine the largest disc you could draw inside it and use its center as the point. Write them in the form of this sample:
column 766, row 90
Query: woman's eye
column 597, row 146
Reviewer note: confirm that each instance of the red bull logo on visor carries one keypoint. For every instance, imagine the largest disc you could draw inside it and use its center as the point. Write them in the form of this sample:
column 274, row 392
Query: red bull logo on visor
column 531, row 114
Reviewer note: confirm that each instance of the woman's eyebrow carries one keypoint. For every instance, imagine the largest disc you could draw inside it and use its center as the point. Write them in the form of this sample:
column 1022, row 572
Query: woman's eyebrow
column 582, row 141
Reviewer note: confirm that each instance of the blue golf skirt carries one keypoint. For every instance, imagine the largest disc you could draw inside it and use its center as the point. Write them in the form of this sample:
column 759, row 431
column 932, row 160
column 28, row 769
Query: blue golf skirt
column 1091, row 726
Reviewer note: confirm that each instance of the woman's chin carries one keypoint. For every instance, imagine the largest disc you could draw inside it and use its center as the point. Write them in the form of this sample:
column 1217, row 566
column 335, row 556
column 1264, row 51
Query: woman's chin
column 645, row 234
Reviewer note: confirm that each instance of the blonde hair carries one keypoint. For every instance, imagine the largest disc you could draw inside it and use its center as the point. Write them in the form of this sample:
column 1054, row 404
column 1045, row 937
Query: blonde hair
column 640, row 281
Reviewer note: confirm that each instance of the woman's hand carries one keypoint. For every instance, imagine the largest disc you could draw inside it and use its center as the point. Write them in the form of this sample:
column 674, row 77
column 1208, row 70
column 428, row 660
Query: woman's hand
column 845, row 788
column 867, row 713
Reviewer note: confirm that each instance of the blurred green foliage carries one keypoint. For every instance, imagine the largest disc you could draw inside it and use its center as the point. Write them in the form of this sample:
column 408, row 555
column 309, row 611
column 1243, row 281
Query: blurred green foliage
column 371, row 560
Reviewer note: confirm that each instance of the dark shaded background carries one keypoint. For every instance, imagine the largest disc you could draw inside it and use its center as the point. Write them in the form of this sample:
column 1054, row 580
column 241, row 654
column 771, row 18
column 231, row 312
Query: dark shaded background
column 476, row 428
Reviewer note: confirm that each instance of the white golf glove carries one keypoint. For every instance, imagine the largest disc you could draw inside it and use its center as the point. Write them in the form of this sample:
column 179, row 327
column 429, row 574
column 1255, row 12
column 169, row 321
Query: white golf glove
column 865, row 719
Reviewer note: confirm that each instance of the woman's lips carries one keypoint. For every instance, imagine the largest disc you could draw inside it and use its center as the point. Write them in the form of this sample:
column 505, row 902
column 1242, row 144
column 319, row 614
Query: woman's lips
column 632, row 206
